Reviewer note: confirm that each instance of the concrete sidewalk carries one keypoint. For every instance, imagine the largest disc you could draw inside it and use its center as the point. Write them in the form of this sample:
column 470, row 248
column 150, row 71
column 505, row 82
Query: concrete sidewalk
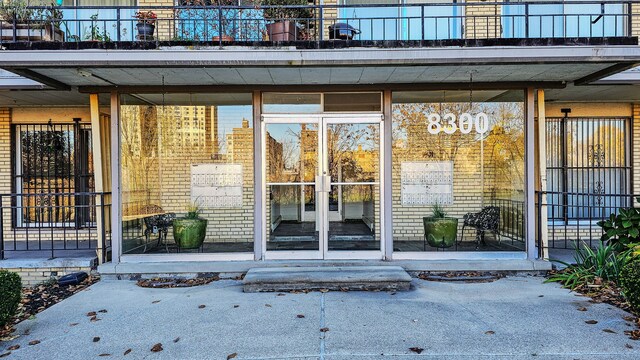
column 512, row 318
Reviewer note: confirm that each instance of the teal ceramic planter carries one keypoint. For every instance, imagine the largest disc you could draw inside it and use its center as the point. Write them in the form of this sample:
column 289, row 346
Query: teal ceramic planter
column 440, row 232
column 189, row 233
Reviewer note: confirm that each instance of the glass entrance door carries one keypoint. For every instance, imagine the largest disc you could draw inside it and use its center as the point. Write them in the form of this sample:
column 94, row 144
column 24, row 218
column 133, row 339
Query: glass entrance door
column 322, row 185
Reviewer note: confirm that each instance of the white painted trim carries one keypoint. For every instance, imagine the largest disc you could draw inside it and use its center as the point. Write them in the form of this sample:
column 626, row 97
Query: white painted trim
column 294, row 255
column 179, row 257
column 459, row 255
column 258, row 178
column 116, row 185
column 386, row 188
column 354, row 255
column 529, row 184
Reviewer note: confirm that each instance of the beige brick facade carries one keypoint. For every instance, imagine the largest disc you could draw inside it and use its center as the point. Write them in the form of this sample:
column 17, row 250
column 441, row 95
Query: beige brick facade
column 165, row 25
column 482, row 21
column 34, row 276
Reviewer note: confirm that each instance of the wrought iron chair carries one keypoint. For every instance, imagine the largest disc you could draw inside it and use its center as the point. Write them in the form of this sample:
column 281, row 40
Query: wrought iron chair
column 488, row 219
column 158, row 224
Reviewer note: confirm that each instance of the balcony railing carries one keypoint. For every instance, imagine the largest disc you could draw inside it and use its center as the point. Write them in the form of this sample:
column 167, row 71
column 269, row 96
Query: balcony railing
column 404, row 25
column 54, row 224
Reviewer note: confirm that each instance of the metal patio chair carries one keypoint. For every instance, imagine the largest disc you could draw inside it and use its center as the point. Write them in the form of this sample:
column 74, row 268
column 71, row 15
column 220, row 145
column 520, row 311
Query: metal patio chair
column 488, row 219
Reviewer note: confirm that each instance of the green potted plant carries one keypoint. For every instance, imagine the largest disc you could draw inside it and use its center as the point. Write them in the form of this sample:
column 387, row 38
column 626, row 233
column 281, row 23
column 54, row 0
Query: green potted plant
column 20, row 22
column 285, row 17
column 440, row 231
column 189, row 231
column 146, row 24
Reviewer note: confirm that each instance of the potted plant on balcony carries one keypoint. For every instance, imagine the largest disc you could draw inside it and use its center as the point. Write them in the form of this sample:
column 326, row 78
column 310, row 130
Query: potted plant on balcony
column 19, row 22
column 146, row 24
column 189, row 231
column 286, row 17
column 440, row 231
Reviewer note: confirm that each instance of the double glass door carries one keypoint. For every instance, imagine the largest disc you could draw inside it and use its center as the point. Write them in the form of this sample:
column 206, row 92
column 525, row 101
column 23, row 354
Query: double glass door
column 322, row 186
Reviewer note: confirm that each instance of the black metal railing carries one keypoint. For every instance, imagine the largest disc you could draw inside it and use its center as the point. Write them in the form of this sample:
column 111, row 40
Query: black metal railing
column 583, row 230
column 244, row 24
column 511, row 218
column 28, row 224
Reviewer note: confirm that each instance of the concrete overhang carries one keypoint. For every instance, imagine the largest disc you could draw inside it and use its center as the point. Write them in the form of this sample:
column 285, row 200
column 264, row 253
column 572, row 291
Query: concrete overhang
column 92, row 70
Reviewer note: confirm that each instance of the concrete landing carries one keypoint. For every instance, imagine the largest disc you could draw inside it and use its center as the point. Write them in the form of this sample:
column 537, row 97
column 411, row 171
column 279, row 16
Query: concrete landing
column 383, row 278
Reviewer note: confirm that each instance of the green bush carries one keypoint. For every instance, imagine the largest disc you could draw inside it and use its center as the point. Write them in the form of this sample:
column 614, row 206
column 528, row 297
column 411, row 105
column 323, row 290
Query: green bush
column 630, row 283
column 622, row 230
column 603, row 263
column 10, row 294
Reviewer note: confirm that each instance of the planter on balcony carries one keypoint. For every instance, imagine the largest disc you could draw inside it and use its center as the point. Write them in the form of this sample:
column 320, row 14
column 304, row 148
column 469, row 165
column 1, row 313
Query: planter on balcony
column 282, row 31
column 145, row 30
column 30, row 32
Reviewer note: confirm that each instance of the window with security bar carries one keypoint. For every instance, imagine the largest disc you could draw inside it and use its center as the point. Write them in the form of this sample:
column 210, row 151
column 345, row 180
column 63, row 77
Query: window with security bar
column 588, row 168
column 53, row 174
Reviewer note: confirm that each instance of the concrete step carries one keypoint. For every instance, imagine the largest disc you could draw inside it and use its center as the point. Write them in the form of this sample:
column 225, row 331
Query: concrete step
column 382, row 278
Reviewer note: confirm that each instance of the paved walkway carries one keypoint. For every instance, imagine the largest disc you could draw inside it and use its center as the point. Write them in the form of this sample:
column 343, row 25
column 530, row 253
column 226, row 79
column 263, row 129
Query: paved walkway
column 513, row 318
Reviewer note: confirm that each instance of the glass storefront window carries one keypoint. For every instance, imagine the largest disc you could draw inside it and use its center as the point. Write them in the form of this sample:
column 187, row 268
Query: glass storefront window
column 463, row 158
column 187, row 150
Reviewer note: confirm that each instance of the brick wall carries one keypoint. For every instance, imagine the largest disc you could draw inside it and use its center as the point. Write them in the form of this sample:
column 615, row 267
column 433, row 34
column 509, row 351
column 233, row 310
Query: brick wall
column 482, row 21
column 635, row 19
column 5, row 161
column 165, row 24
column 34, row 276
column 635, row 151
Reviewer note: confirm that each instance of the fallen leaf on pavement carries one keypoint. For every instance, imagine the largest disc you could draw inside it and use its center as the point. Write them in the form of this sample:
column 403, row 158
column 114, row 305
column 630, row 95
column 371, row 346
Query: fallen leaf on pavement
column 628, row 346
column 91, row 313
column 202, row 306
column 105, row 354
column 14, row 347
column 490, row 332
column 267, row 305
column 232, row 356
column 34, row 342
column 94, row 319
column 5, row 354
column 281, row 294
column 300, row 316
column 416, row 350
column 157, row 348
column 591, row 322
column 176, row 339
column 582, row 309
column 324, row 329
column 96, row 339
column 102, row 311
column 155, row 301
column 73, row 324
column 609, row 331
column 127, row 352
column 236, row 306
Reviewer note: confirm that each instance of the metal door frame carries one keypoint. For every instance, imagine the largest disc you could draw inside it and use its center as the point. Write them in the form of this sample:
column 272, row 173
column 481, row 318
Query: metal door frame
column 322, row 203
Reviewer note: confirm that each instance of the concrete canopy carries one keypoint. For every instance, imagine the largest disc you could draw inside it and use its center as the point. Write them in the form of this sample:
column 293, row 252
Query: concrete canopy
column 243, row 69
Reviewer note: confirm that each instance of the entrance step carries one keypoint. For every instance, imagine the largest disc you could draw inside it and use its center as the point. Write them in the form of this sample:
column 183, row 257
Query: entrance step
column 384, row 278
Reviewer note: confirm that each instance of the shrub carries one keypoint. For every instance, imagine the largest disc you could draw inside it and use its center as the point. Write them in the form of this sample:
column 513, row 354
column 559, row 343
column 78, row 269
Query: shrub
column 622, row 230
column 603, row 263
column 10, row 294
column 630, row 283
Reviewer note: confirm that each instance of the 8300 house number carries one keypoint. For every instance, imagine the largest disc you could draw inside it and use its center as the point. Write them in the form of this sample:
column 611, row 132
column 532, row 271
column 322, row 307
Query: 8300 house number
column 449, row 123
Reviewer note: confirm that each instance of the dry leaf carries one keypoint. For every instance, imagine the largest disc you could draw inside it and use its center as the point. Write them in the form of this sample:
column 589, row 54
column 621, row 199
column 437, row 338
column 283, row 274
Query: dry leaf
column 127, row 352
column 591, row 322
column 582, row 309
column 157, row 348
column 104, row 355
column 96, row 338
column 490, row 332
column 300, row 316
column 232, row 356
column 94, row 319
column 281, row 294
column 628, row 346
column 73, row 324
column 102, row 311
column 268, row 305
column 91, row 313
column 5, row 354
column 176, row 339
column 236, row 306
column 416, row 350
column 609, row 331
column 324, row 329
column 202, row 306
column 34, row 342
column 324, row 290
column 14, row 347
column 155, row 301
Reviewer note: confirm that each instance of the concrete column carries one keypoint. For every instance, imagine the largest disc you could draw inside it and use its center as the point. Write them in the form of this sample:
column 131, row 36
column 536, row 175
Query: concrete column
column 387, row 180
column 116, row 209
column 529, row 184
column 542, row 175
column 259, row 208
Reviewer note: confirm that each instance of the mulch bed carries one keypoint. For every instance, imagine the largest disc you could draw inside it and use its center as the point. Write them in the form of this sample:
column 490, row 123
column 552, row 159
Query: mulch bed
column 608, row 292
column 462, row 276
column 160, row 283
column 40, row 297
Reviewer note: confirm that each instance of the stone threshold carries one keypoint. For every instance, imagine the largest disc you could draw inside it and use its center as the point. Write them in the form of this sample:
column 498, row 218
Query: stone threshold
column 39, row 263
column 135, row 270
